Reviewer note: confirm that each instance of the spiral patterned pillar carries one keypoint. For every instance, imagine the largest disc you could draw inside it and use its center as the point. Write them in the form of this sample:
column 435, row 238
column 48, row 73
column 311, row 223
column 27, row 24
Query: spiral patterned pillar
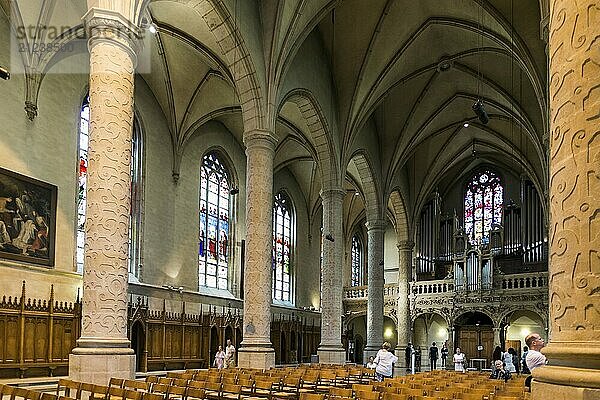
column 375, row 282
column 103, row 349
column 331, row 350
column 573, row 352
column 403, row 312
column 256, row 350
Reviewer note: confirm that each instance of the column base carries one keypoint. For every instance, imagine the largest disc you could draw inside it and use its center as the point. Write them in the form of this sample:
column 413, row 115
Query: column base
column 331, row 355
column 256, row 357
column 565, row 383
column 99, row 365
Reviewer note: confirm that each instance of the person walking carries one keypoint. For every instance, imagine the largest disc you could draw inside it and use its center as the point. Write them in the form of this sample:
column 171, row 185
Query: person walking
column 219, row 358
column 385, row 363
column 433, row 356
column 229, row 355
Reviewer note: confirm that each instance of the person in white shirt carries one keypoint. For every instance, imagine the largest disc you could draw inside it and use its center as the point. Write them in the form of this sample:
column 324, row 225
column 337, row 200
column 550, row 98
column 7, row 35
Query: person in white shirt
column 384, row 361
column 459, row 361
column 229, row 355
column 371, row 364
column 534, row 358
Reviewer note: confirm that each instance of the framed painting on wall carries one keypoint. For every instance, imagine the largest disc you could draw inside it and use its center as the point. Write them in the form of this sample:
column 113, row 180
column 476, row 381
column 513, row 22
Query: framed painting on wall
column 27, row 219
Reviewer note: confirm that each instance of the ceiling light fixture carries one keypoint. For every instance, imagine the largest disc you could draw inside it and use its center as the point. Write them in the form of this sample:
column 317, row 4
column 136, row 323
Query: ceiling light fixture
column 466, row 124
column 152, row 28
column 4, row 74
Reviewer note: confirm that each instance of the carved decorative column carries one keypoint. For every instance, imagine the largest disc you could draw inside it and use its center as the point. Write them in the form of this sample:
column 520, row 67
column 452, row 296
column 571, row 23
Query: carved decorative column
column 573, row 352
column 331, row 350
column 256, row 350
column 375, row 282
column 103, row 349
column 404, row 274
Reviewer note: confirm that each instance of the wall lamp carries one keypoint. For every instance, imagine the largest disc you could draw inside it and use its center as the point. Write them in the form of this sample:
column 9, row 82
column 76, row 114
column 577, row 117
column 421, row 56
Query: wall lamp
column 234, row 191
column 4, row 74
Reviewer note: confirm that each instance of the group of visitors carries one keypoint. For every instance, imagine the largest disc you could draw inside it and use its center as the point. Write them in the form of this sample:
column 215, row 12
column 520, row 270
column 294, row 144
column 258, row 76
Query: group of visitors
column 225, row 359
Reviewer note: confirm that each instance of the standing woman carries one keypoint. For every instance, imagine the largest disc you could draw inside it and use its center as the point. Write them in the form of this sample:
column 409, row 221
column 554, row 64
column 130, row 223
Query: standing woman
column 508, row 361
column 459, row 361
column 385, row 363
column 219, row 358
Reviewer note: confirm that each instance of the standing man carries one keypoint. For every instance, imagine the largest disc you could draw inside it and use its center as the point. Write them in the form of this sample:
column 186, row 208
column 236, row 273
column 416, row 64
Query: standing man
column 444, row 352
column 229, row 355
column 534, row 358
column 433, row 356
column 407, row 355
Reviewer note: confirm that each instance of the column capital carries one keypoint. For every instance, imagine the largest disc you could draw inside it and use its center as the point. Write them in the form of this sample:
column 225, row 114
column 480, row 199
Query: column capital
column 260, row 138
column 376, row 225
column 333, row 193
column 104, row 25
column 405, row 245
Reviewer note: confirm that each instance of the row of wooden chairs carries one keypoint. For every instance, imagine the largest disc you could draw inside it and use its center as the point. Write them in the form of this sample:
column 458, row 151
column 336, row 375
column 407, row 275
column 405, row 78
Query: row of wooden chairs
column 15, row 393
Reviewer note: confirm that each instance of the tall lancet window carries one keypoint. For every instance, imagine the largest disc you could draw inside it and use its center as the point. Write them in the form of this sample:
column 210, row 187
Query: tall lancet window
column 82, row 164
column 357, row 264
column 483, row 205
column 135, row 219
column 213, row 244
column 282, row 247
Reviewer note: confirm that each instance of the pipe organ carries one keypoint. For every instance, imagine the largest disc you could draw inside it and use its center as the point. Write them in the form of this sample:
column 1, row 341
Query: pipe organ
column 517, row 244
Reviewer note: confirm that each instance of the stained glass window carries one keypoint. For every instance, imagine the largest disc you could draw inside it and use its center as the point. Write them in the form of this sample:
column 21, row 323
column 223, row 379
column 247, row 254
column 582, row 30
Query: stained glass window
column 282, row 239
column 82, row 164
column 357, row 265
column 483, row 206
column 213, row 235
column 136, row 192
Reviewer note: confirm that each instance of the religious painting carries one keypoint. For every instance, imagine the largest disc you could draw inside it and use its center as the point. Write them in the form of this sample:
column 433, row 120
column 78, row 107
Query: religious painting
column 27, row 219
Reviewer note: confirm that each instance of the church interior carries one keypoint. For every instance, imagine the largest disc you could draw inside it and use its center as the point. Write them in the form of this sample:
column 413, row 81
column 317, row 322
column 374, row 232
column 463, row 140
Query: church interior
column 308, row 179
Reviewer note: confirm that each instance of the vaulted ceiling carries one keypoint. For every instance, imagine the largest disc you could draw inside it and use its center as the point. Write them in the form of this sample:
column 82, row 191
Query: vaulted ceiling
column 394, row 80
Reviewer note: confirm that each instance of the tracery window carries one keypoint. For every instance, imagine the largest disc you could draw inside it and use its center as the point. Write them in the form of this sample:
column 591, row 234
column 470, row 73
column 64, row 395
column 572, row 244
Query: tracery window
column 213, row 248
column 483, row 206
column 136, row 191
column 357, row 264
column 282, row 239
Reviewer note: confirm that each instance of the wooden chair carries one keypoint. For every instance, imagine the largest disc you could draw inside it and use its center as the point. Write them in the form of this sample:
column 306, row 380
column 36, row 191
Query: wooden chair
column 176, row 393
column 194, row 394
column 312, row 396
column 160, row 389
column 366, row 395
column 336, row 392
column 69, row 387
column 263, row 388
column 362, row 387
column 140, row 386
column 116, row 382
column 151, row 396
column 97, row 392
column 231, row 392
column 48, row 396
column 212, row 390
column 394, row 396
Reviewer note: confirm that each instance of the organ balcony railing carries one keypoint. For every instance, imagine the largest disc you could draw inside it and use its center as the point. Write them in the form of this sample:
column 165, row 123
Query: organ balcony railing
column 445, row 287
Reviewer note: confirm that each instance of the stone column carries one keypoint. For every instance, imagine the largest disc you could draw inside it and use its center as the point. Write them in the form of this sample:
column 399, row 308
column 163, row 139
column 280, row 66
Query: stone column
column 103, row 349
column 375, row 282
column 496, row 336
column 256, row 350
column 331, row 350
column 573, row 352
column 404, row 274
